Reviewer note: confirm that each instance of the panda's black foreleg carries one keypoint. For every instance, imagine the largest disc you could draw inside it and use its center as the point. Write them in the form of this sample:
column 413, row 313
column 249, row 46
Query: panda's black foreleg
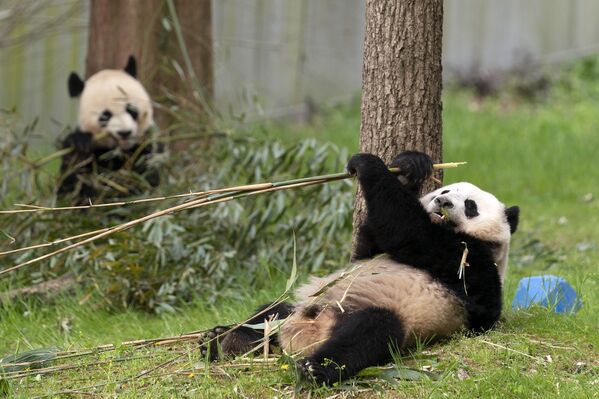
column 236, row 341
column 142, row 164
column 365, row 246
column 360, row 339
column 394, row 211
column 76, row 163
column 415, row 169
column 380, row 186
column 80, row 142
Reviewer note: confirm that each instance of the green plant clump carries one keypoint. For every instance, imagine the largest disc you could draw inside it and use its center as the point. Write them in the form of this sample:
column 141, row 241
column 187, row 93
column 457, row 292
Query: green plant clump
column 207, row 252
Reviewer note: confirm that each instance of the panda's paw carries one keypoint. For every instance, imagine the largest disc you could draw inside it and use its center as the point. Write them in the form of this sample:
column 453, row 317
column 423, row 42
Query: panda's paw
column 415, row 167
column 319, row 373
column 209, row 342
column 82, row 142
column 362, row 163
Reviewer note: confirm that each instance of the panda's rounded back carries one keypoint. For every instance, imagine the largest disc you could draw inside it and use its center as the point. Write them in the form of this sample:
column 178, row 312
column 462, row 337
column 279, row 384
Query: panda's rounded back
column 426, row 307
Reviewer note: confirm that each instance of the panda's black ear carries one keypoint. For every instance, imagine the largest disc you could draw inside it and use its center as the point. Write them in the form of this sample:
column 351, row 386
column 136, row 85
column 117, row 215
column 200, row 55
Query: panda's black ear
column 76, row 85
column 131, row 67
column 513, row 215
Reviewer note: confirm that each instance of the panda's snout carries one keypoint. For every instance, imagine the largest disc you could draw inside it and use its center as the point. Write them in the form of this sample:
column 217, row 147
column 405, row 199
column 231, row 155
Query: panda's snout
column 124, row 134
column 443, row 202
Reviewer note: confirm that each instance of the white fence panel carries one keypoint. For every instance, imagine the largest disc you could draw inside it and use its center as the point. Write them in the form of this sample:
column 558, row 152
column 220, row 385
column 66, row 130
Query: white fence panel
column 275, row 57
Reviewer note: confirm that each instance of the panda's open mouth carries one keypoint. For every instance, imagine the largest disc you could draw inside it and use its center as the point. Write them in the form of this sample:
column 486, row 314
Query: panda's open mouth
column 438, row 217
column 441, row 217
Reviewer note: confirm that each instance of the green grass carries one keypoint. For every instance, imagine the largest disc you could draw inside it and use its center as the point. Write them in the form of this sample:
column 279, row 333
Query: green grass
column 541, row 157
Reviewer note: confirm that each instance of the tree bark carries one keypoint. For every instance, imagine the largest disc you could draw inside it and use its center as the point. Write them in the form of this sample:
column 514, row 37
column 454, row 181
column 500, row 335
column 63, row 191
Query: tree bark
column 401, row 82
column 195, row 17
column 116, row 31
column 119, row 28
column 189, row 86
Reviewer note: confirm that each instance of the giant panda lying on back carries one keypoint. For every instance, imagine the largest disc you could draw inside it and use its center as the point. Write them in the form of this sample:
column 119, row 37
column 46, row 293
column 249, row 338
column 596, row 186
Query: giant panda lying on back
column 404, row 284
column 115, row 116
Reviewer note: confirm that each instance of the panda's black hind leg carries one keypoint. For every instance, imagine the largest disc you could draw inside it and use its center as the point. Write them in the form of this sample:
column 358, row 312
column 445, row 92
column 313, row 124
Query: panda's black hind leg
column 224, row 341
column 360, row 339
column 229, row 341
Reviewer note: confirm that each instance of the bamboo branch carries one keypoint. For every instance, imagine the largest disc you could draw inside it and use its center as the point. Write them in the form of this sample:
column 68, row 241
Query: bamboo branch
column 55, row 242
column 216, row 196
column 250, row 187
column 212, row 199
column 38, row 208
column 53, row 369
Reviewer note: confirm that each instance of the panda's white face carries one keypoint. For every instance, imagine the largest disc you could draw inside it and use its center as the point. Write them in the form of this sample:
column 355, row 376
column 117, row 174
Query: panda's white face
column 475, row 212
column 115, row 108
column 470, row 210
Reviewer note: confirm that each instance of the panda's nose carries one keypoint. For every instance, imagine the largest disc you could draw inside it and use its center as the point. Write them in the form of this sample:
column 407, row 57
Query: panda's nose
column 124, row 134
column 443, row 202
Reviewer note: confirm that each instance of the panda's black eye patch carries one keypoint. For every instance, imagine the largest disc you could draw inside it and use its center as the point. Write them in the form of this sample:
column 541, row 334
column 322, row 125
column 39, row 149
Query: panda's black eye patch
column 132, row 110
column 470, row 208
column 444, row 192
column 104, row 118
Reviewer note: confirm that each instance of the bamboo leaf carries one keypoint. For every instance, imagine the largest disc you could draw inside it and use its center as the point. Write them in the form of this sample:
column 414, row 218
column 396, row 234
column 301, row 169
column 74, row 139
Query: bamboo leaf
column 397, row 373
column 4, row 388
column 275, row 324
column 33, row 359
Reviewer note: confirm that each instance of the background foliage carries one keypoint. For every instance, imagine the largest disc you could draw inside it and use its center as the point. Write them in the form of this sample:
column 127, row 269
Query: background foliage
column 208, row 252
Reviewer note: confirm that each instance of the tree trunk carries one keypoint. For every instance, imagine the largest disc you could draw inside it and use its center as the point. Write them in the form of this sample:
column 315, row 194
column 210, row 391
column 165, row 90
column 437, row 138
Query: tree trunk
column 116, row 31
column 195, row 17
column 119, row 28
column 401, row 81
column 189, row 87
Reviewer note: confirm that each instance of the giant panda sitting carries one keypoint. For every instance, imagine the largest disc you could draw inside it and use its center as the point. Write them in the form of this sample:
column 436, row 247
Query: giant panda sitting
column 115, row 117
column 405, row 284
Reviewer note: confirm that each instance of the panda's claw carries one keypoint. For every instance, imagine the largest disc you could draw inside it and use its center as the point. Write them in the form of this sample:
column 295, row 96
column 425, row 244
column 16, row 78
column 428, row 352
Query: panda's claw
column 209, row 342
column 414, row 165
column 359, row 163
column 318, row 374
column 306, row 370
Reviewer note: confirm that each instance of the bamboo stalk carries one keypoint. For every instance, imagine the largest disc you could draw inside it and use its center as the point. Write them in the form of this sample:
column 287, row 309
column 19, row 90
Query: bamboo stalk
column 54, row 369
column 209, row 200
column 241, row 362
column 217, row 196
column 448, row 165
column 55, row 242
column 101, row 349
column 250, row 187
column 537, row 359
column 42, row 161
column 38, row 208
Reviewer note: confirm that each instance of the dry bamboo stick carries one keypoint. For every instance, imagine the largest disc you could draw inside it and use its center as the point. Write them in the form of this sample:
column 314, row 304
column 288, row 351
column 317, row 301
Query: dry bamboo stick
column 250, row 187
column 223, row 195
column 45, row 370
column 55, row 242
column 187, row 205
column 38, row 208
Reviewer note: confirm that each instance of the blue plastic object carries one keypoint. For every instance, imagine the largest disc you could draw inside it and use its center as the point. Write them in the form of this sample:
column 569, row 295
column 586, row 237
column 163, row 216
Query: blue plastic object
column 548, row 291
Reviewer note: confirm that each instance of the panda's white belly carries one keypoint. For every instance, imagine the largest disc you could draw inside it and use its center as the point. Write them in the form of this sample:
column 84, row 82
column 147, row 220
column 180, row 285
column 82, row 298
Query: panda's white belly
column 426, row 308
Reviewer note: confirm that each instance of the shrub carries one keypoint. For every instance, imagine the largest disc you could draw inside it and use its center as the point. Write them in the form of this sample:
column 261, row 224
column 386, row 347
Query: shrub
column 205, row 252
